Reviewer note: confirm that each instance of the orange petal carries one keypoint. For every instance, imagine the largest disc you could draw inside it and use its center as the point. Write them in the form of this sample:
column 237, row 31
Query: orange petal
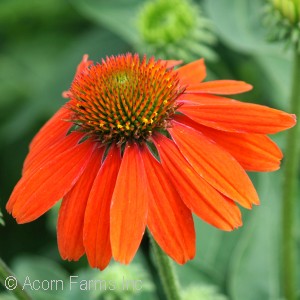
column 214, row 165
column 171, row 63
column 35, row 159
column 96, row 230
column 56, row 128
column 169, row 220
column 192, row 73
column 84, row 64
column 254, row 152
column 71, row 213
column 39, row 191
column 198, row 195
column 235, row 116
column 129, row 206
column 223, row 87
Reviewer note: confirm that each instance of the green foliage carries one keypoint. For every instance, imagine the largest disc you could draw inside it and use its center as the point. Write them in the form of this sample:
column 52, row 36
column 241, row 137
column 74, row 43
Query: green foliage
column 202, row 293
column 244, row 32
column 117, row 15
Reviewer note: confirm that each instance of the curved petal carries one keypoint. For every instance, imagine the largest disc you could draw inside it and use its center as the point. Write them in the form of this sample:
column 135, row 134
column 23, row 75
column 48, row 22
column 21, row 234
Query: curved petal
column 222, row 87
column 40, row 190
column 71, row 212
column 169, row 220
column 96, row 229
column 200, row 197
column 254, row 152
column 214, row 165
column 35, row 159
column 235, row 116
column 193, row 72
column 129, row 206
column 55, row 129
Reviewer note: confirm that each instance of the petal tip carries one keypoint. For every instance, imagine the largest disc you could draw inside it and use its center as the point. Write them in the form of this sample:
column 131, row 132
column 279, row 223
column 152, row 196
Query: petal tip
column 9, row 207
column 248, row 87
column 294, row 118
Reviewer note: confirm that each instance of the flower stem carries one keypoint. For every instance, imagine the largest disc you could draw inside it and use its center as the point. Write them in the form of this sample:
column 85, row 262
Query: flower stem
column 166, row 272
column 9, row 281
column 290, row 190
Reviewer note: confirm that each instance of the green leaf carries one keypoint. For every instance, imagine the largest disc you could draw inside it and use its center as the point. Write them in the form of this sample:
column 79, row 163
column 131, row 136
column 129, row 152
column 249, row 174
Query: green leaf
column 278, row 71
column 119, row 16
column 255, row 262
column 42, row 278
column 7, row 296
column 214, row 250
column 239, row 24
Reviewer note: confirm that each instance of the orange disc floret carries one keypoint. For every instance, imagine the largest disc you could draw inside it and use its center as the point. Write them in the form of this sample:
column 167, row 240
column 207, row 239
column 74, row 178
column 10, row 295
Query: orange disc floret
column 124, row 98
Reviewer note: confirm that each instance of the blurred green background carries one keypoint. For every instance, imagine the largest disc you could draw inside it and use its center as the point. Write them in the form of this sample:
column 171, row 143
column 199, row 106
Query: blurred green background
column 41, row 43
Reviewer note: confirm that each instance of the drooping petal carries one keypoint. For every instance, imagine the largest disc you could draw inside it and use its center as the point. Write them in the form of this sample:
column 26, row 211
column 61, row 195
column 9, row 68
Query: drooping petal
column 40, row 190
column 169, row 220
column 200, row 197
column 56, row 128
column 96, row 232
column 192, row 73
column 214, row 165
column 235, row 116
column 33, row 162
column 222, row 87
column 71, row 212
column 35, row 159
column 254, row 152
column 129, row 206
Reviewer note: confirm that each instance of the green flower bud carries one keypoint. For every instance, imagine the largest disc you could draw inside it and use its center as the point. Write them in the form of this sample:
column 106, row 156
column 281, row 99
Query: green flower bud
column 283, row 21
column 289, row 9
column 175, row 29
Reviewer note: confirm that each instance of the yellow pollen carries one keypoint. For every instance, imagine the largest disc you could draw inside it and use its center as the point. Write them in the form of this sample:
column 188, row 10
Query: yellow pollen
column 119, row 126
column 145, row 120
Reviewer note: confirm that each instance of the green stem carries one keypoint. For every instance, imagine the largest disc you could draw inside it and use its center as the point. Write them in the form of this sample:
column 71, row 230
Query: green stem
column 166, row 272
column 9, row 281
column 290, row 190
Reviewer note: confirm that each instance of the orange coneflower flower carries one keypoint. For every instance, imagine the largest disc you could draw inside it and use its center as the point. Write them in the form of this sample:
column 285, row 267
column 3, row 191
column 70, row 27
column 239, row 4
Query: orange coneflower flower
column 139, row 145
